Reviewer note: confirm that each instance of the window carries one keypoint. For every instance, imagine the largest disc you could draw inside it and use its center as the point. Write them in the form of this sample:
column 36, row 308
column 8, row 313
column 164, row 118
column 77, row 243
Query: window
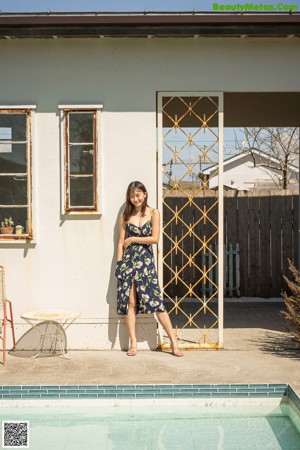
column 81, row 157
column 15, row 173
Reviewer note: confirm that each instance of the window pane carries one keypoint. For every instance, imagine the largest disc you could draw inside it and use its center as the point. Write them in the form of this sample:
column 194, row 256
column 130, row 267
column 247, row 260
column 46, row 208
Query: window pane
column 13, row 190
column 81, row 159
column 14, row 161
column 18, row 215
column 81, row 127
column 82, row 191
column 14, row 125
column 5, row 147
column 5, row 134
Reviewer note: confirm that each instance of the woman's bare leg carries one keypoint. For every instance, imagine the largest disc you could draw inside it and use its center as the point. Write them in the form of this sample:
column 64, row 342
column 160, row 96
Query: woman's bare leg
column 130, row 320
column 165, row 321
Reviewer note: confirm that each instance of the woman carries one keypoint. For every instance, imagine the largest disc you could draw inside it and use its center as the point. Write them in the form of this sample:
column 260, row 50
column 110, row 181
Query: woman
column 138, row 288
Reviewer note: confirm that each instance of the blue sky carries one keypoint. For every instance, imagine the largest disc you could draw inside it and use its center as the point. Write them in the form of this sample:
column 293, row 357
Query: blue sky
column 123, row 5
column 104, row 5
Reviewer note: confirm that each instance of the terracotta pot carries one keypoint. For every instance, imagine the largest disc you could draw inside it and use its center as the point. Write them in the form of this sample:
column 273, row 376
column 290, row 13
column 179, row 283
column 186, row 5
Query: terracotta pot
column 7, row 230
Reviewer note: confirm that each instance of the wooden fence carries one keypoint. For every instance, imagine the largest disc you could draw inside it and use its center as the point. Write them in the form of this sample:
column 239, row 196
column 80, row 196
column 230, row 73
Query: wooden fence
column 231, row 271
column 264, row 225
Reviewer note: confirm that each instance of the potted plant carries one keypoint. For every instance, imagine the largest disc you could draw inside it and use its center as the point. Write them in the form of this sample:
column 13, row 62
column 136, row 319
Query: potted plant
column 7, row 225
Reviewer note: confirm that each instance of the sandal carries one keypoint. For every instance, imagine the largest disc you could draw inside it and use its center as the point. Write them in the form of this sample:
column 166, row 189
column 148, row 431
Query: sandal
column 131, row 351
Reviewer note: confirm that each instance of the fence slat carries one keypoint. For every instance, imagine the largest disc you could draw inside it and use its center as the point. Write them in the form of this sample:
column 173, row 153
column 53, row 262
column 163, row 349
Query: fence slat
column 275, row 219
column 237, row 270
column 230, row 270
column 265, row 243
column 231, row 220
column 295, row 254
column 253, row 247
column 243, row 242
column 286, row 234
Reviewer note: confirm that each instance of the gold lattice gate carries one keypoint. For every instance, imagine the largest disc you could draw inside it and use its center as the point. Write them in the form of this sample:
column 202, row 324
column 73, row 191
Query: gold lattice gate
column 190, row 196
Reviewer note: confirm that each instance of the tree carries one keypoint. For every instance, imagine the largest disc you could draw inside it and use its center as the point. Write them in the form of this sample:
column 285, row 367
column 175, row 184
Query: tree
column 292, row 302
column 280, row 144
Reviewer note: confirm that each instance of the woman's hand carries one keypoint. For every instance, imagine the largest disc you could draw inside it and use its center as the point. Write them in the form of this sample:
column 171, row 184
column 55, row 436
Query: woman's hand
column 128, row 241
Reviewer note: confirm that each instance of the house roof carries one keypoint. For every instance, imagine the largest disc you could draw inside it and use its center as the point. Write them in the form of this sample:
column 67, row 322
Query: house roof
column 246, row 153
column 150, row 24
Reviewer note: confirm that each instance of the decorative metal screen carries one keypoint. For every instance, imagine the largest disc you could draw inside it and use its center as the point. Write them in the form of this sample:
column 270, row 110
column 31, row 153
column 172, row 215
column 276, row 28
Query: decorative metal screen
column 189, row 152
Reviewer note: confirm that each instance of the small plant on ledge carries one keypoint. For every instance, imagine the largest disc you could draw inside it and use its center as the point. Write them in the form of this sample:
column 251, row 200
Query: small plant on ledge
column 292, row 302
column 7, row 225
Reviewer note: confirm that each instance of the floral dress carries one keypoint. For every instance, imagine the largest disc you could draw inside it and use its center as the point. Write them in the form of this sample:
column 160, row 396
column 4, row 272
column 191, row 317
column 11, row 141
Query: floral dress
column 137, row 264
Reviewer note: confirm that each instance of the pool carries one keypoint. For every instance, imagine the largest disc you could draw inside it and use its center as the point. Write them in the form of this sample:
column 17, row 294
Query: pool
column 153, row 417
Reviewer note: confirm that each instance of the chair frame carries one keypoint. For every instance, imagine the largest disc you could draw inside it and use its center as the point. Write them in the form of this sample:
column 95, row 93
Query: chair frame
column 7, row 308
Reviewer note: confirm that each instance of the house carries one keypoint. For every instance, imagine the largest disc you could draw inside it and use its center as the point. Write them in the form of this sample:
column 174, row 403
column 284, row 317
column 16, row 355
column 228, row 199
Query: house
column 92, row 101
column 251, row 169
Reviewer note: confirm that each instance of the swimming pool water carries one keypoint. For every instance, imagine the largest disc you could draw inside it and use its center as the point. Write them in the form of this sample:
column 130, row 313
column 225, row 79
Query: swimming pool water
column 159, row 427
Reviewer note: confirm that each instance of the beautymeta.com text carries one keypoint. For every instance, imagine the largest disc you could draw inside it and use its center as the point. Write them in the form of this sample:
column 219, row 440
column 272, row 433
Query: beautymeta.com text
column 254, row 7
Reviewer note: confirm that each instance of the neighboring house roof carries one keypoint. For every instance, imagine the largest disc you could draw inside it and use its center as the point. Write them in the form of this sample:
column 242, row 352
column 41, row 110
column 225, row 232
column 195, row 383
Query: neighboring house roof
column 242, row 155
column 148, row 24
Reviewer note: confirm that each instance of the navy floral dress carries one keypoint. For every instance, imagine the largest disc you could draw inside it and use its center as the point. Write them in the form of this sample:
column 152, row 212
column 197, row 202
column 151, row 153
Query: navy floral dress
column 137, row 264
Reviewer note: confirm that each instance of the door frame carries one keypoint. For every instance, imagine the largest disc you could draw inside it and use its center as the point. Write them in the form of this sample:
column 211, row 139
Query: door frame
column 159, row 190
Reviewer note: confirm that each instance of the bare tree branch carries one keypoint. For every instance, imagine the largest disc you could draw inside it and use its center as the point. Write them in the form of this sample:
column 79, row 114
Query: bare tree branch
column 279, row 143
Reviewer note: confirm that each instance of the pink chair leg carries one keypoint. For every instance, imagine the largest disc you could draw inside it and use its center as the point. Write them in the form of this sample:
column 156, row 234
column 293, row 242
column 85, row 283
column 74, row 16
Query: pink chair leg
column 11, row 321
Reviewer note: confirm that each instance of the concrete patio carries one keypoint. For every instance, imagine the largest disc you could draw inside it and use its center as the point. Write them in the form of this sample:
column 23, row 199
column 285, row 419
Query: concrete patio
column 257, row 350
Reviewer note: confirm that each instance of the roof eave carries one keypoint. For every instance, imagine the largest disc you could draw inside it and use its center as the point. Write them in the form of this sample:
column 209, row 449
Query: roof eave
column 143, row 25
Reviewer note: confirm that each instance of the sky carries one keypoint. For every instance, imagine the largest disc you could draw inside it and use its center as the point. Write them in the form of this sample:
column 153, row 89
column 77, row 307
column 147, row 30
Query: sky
column 104, row 5
column 124, row 5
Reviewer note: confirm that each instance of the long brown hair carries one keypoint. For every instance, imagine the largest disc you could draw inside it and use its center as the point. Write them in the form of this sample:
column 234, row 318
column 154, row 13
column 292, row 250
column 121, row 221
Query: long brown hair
column 129, row 208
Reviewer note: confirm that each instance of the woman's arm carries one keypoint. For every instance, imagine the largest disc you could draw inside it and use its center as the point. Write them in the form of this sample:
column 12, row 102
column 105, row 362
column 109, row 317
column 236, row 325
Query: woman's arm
column 153, row 239
column 122, row 229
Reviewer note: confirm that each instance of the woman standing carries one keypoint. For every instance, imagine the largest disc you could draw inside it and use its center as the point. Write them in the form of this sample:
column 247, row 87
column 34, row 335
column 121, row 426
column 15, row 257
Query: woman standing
column 138, row 288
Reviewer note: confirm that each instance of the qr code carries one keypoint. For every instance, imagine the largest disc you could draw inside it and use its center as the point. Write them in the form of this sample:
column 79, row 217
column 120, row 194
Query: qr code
column 15, row 434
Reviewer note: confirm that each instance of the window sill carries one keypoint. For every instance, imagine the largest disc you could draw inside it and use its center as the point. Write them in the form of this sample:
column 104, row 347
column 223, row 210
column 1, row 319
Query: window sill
column 66, row 214
column 15, row 237
column 17, row 240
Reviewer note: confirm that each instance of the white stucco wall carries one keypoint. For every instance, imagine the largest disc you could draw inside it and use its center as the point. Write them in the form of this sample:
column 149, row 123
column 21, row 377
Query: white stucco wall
column 71, row 263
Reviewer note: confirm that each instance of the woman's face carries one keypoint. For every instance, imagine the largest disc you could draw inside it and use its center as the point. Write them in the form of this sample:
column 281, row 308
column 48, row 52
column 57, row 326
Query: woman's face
column 137, row 197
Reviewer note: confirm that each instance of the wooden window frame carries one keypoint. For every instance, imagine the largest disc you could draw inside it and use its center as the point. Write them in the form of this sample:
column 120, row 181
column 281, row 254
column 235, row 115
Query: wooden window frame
column 66, row 110
column 29, row 111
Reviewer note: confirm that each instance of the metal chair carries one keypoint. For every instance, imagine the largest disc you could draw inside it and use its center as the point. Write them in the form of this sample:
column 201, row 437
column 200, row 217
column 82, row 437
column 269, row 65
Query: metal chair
column 6, row 315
